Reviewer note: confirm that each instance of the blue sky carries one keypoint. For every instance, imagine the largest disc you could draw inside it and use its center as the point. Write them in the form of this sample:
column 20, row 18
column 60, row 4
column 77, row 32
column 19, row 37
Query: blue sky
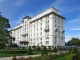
column 15, row 10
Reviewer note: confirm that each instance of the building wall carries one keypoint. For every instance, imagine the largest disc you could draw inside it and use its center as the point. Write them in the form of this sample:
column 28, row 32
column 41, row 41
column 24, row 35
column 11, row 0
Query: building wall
column 46, row 29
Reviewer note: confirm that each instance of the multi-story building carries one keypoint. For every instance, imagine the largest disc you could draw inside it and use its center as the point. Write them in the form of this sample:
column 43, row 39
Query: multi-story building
column 46, row 29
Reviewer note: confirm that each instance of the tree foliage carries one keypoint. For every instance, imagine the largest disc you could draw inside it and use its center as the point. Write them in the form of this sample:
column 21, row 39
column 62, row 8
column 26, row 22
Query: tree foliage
column 75, row 51
column 73, row 41
column 4, row 25
column 44, row 51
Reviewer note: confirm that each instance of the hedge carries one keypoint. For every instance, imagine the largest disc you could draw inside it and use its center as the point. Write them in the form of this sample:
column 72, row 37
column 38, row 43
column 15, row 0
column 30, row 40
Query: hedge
column 12, row 51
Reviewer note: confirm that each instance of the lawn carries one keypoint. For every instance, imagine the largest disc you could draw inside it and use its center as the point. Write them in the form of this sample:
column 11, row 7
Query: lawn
column 67, row 57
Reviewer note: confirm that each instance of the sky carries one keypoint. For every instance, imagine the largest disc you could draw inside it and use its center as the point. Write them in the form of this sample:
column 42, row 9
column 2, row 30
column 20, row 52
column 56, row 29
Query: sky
column 16, row 10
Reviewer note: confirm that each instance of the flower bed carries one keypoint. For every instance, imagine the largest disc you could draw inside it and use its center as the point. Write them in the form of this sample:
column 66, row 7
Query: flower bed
column 43, row 57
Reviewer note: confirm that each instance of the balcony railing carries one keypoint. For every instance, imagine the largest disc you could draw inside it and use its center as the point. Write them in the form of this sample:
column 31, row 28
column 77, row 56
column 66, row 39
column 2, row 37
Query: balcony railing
column 24, row 34
column 46, row 29
column 56, row 29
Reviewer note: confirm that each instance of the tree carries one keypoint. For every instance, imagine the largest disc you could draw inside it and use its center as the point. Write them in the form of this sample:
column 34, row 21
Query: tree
column 4, row 25
column 55, row 50
column 75, row 51
column 29, row 52
column 73, row 41
column 4, row 33
column 44, row 51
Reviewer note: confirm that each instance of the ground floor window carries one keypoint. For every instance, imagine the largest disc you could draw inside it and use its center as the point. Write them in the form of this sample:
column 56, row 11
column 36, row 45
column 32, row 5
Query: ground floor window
column 47, row 42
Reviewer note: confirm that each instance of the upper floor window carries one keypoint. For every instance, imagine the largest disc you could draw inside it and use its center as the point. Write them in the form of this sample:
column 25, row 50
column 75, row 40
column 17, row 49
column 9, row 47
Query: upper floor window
column 41, row 24
column 47, row 37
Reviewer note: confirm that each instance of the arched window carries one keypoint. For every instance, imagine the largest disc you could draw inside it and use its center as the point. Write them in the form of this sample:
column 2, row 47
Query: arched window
column 47, row 38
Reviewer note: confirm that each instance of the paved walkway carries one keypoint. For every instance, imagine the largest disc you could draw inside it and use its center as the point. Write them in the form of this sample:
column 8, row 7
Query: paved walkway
column 10, row 58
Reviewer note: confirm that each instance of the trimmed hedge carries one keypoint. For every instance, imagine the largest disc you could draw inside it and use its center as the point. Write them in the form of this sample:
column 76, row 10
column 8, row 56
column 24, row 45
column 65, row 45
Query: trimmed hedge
column 12, row 51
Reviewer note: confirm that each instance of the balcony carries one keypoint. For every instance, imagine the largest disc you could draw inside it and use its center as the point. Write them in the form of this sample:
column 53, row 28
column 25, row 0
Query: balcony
column 56, row 29
column 24, row 34
column 46, row 29
column 63, row 31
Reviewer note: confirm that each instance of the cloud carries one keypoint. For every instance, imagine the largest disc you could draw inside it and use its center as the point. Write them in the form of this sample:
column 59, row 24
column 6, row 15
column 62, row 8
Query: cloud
column 73, row 9
column 57, row 3
column 69, row 37
column 75, row 29
column 75, row 20
column 19, row 3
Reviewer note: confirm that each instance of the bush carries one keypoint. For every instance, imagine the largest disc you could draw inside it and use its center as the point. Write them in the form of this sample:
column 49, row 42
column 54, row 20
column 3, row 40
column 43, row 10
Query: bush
column 34, row 47
column 29, row 52
column 38, row 49
column 12, row 51
column 13, row 45
column 49, row 48
column 75, row 57
column 44, row 51
column 70, row 50
column 75, row 51
column 55, row 50
column 2, row 44
column 61, row 54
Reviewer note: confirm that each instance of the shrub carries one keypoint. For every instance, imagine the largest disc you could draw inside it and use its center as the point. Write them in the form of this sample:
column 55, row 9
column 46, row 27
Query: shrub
column 75, row 51
column 75, row 57
column 55, row 50
column 44, row 51
column 34, row 47
column 70, row 50
column 29, row 52
column 38, row 49
column 46, row 57
column 13, row 45
column 12, row 51
column 61, row 54
column 49, row 48
column 2, row 44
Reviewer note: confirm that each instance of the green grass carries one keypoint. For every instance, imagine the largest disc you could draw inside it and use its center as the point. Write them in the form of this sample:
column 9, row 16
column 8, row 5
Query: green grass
column 61, row 58
column 67, row 57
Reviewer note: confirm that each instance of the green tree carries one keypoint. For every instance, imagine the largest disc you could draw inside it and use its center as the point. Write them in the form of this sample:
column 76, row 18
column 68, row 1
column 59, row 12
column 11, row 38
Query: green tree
column 29, row 52
column 44, row 51
column 73, row 41
column 4, row 25
column 55, row 50
column 75, row 51
column 4, row 33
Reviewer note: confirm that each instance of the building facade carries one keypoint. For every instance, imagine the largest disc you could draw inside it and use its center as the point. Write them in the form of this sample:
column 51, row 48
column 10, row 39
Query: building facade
column 45, row 29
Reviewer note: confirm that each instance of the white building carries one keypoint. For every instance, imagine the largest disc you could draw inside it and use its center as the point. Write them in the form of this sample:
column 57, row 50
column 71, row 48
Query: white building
column 46, row 29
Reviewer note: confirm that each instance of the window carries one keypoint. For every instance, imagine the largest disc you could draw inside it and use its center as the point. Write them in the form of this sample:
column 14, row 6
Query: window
column 31, row 43
column 41, row 33
column 48, row 21
column 37, row 34
column 47, row 37
column 47, row 42
column 41, row 28
column 41, row 24
column 25, row 21
column 41, row 43
column 41, row 38
column 55, row 42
